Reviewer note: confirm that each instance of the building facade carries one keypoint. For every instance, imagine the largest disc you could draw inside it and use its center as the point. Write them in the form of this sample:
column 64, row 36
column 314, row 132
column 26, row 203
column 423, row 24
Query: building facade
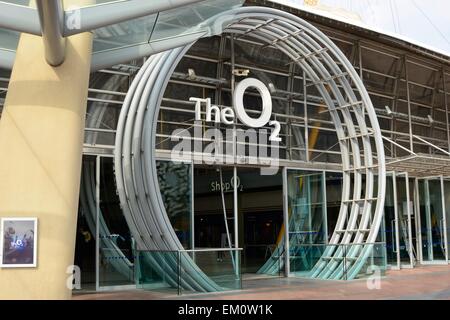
column 359, row 178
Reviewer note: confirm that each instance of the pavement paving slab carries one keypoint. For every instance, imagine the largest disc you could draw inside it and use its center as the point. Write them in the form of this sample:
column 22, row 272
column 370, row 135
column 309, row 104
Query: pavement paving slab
column 421, row 283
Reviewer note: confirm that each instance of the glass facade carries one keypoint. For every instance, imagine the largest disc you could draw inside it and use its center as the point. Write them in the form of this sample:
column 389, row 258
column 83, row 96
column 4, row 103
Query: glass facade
column 115, row 245
column 410, row 95
column 175, row 183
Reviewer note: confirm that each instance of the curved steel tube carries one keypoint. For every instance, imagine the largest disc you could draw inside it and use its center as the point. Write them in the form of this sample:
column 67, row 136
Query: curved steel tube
column 51, row 16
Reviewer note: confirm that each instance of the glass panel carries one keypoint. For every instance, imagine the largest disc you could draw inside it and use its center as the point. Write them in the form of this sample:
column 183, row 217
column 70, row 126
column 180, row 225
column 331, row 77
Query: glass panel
column 166, row 269
column 432, row 221
column 414, row 234
column 95, row 2
column 374, row 265
column 157, row 270
column 307, row 218
column 116, row 256
column 426, row 248
column 86, row 226
column 333, row 198
column 302, row 258
column 175, row 183
column 184, row 20
column 154, row 27
column 403, row 220
column 268, row 58
column 260, row 215
column 210, row 231
column 132, row 32
column 447, row 209
column 389, row 223
column 306, row 206
column 226, row 273
column 436, row 220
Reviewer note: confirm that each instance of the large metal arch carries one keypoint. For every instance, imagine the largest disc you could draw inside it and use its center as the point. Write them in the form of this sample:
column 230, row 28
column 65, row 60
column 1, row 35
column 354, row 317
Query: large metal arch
column 352, row 231
column 335, row 78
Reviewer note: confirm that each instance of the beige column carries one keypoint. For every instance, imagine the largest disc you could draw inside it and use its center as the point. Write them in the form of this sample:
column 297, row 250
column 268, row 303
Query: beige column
column 41, row 138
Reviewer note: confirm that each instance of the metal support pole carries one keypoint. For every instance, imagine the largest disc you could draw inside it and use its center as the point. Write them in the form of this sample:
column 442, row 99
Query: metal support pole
column 444, row 219
column 51, row 16
column 192, row 210
column 418, row 223
column 235, row 207
column 395, row 105
column 446, row 108
column 236, row 224
column 233, row 85
column 97, row 219
column 428, row 221
column 411, row 142
column 324, row 204
column 289, row 111
column 305, row 105
column 360, row 63
column 408, row 208
column 433, row 105
column 286, row 224
column 397, row 236
column 235, row 186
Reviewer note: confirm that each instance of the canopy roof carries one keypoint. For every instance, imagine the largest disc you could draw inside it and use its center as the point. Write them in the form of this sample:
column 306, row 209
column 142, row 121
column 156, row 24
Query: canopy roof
column 123, row 30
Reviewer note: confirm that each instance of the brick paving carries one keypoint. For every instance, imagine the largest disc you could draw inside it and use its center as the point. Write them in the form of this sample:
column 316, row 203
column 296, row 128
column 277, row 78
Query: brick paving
column 426, row 282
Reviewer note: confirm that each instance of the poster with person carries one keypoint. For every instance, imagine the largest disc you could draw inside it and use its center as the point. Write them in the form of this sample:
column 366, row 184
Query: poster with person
column 18, row 244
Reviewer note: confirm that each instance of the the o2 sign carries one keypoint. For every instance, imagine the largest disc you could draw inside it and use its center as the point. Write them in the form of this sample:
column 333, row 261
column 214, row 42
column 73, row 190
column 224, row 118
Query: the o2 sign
column 227, row 115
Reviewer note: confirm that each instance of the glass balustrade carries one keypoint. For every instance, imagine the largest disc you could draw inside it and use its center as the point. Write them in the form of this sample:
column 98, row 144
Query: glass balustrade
column 172, row 270
column 350, row 261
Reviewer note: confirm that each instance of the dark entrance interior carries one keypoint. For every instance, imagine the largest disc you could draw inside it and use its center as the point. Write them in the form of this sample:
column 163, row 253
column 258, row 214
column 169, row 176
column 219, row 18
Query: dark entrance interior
column 260, row 212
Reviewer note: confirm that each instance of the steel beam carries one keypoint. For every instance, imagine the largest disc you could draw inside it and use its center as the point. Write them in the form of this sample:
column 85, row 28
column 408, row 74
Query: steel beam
column 19, row 18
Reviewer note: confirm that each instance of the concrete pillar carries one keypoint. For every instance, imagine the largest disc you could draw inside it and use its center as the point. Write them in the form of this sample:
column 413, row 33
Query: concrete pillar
column 41, row 138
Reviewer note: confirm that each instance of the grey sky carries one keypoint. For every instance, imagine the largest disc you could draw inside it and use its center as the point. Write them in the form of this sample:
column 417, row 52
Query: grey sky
column 426, row 21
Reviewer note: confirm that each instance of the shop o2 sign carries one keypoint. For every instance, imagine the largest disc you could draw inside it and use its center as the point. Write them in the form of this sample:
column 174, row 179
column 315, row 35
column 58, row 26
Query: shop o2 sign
column 227, row 115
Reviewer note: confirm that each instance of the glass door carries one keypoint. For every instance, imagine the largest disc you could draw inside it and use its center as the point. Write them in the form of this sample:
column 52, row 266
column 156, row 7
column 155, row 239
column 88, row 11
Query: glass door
column 390, row 224
column 432, row 221
column 260, row 221
column 447, row 211
column 215, row 219
column 307, row 216
column 405, row 209
column 397, row 224
column 115, row 254
column 104, row 246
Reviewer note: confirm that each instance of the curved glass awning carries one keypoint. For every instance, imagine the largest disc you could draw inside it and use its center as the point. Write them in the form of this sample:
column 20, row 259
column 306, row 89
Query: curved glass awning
column 177, row 23
column 156, row 27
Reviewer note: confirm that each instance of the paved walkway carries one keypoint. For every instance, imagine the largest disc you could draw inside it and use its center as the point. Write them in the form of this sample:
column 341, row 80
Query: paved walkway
column 430, row 282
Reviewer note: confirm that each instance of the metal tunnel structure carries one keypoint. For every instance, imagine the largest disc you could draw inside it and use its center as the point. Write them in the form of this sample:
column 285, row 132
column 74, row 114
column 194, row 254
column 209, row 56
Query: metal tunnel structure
column 351, row 111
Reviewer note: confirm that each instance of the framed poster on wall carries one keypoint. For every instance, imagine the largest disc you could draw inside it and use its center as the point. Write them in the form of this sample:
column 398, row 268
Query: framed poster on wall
column 18, row 242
